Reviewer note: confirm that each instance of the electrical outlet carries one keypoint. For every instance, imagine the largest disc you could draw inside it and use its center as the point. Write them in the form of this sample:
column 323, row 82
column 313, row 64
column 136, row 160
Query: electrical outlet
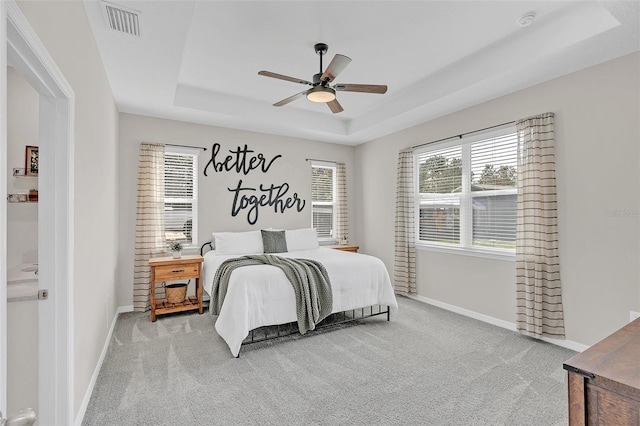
column 633, row 315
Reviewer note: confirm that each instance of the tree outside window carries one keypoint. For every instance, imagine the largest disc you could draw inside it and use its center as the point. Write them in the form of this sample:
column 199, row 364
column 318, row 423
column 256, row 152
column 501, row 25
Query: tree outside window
column 467, row 193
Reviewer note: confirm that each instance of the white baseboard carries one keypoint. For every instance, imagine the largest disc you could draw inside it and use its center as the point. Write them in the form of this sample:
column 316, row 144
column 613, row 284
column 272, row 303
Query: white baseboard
column 123, row 309
column 575, row 346
column 94, row 377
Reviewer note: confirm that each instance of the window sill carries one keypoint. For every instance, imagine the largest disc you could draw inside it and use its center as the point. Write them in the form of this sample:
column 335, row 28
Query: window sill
column 487, row 254
column 189, row 249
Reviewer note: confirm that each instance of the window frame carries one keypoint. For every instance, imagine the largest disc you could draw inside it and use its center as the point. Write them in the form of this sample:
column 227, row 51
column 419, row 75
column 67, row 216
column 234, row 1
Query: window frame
column 192, row 152
column 465, row 197
column 334, row 204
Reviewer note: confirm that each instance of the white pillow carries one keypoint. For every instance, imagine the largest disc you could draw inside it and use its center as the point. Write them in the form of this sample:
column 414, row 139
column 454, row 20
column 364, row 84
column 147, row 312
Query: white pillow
column 301, row 239
column 249, row 242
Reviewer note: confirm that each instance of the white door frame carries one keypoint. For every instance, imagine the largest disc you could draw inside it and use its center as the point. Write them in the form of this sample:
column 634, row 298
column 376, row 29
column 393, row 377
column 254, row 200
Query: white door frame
column 21, row 48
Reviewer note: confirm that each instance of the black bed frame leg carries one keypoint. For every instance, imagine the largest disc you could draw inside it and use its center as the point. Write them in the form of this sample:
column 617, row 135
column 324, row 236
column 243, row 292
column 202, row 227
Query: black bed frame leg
column 335, row 316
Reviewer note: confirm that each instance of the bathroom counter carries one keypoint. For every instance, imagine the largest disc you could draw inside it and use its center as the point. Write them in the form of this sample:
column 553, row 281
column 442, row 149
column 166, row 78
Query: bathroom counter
column 22, row 282
column 23, row 273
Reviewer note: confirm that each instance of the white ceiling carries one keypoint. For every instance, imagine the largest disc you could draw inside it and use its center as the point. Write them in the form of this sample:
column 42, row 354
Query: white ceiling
column 198, row 61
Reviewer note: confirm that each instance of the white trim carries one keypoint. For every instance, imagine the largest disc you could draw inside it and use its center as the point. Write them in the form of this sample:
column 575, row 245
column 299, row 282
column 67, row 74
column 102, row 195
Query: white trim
column 124, row 309
column 3, row 209
column 185, row 150
column 463, row 199
column 327, row 241
column 569, row 344
column 94, row 377
column 466, row 251
column 30, row 58
column 334, row 204
column 193, row 153
column 575, row 346
column 53, row 80
column 320, row 163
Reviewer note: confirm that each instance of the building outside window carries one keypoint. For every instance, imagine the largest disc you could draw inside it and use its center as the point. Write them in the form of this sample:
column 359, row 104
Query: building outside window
column 466, row 193
column 181, row 195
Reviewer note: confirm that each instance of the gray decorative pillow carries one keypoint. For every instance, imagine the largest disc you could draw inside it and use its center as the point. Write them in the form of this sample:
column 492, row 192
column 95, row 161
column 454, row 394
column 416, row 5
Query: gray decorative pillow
column 274, row 241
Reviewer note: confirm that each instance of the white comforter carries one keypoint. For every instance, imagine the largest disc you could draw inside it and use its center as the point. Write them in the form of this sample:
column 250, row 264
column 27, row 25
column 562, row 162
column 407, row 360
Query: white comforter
column 261, row 295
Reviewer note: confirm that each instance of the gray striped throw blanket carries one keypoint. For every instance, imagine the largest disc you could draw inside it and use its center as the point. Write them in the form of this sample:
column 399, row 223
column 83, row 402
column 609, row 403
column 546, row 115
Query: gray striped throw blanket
column 309, row 279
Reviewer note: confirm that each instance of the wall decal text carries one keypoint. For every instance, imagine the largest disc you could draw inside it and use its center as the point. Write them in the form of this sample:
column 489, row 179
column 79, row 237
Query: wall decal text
column 246, row 198
column 272, row 196
column 239, row 162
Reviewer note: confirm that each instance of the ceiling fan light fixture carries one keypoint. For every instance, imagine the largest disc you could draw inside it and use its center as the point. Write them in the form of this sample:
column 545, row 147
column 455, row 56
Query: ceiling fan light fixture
column 321, row 94
column 321, row 91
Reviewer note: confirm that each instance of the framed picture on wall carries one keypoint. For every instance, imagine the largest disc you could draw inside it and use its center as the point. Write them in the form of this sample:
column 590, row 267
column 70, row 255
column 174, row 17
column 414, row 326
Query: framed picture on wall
column 31, row 161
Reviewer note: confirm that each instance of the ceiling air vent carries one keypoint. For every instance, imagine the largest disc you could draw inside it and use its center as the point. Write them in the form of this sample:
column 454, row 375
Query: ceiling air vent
column 122, row 19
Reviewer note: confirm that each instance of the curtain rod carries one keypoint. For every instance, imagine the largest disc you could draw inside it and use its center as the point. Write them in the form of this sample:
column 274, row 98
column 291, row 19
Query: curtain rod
column 187, row 146
column 464, row 134
column 315, row 159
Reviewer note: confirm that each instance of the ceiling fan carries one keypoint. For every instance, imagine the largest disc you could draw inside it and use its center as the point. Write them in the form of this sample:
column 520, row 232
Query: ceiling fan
column 321, row 90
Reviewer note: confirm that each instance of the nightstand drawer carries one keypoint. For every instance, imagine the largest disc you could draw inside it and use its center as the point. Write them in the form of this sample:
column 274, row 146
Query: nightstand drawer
column 177, row 272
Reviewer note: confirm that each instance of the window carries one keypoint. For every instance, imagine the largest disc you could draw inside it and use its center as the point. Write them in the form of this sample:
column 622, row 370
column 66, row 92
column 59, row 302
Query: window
column 323, row 200
column 181, row 195
column 467, row 195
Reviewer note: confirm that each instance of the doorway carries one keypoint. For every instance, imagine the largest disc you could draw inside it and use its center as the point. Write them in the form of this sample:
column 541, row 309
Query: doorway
column 22, row 243
column 21, row 48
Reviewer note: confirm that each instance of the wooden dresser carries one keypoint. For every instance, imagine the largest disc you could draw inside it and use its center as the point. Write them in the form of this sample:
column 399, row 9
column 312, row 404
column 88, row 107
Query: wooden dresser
column 604, row 381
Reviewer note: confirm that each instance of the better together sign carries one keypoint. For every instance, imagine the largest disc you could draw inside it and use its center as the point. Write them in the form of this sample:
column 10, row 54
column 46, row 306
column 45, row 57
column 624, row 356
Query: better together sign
column 243, row 160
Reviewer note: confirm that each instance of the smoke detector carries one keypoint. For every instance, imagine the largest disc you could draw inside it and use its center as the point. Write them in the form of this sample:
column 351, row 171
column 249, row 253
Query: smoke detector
column 122, row 19
column 527, row 19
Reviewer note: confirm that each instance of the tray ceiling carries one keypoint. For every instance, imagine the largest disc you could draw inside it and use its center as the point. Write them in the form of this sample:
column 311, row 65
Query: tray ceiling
column 198, row 61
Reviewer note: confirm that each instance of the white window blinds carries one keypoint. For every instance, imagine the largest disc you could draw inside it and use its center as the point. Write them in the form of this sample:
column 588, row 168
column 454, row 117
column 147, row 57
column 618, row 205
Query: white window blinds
column 323, row 199
column 181, row 196
column 440, row 187
column 493, row 191
column 467, row 193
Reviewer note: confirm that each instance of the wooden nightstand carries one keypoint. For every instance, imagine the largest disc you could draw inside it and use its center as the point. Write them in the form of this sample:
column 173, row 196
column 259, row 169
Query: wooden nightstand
column 345, row 247
column 170, row 269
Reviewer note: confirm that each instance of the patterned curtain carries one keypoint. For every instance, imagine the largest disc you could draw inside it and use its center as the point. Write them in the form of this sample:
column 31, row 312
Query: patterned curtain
column 405, row 249
column 342, row 214
column 150, row 239
column 539, row 294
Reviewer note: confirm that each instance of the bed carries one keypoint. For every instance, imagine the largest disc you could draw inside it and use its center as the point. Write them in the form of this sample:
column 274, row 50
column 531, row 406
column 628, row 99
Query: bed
column 261, row 295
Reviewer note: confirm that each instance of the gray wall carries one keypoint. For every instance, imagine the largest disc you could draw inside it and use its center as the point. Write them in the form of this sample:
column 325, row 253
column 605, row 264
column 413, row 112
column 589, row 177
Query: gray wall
column 215, row 200
column 64, row 29
column 598, row 180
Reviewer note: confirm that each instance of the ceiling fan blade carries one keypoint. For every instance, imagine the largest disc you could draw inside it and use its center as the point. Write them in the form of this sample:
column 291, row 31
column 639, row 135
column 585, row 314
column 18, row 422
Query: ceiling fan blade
column 362, row 88
column 335, row 106
column 284, row 77
column 337, row 64
column 290, row 99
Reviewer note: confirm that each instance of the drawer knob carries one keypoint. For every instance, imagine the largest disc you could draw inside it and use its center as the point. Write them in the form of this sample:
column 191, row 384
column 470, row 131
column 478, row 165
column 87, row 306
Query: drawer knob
column 175, row 271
